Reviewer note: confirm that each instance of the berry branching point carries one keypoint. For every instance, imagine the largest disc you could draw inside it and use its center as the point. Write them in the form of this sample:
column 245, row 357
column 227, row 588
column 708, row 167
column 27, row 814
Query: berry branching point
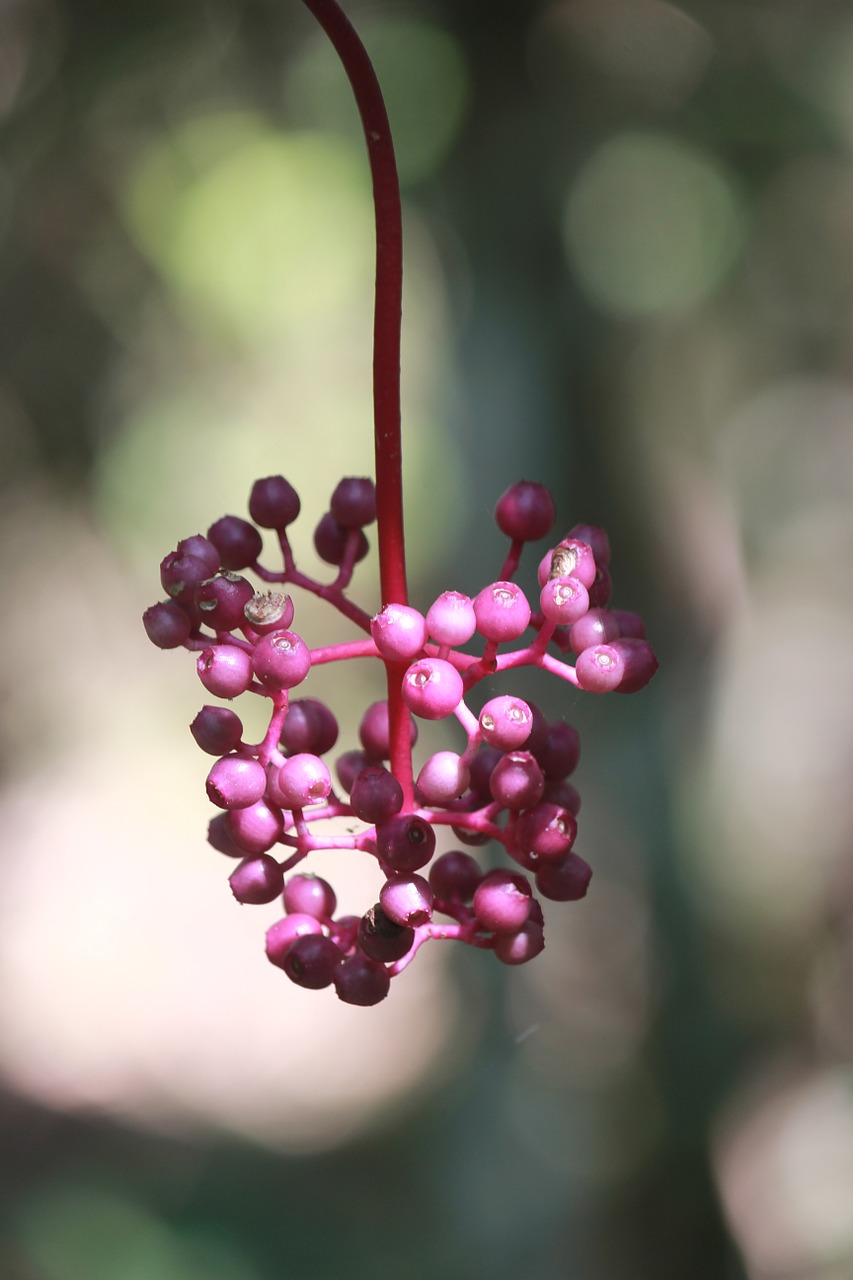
column 508, row 782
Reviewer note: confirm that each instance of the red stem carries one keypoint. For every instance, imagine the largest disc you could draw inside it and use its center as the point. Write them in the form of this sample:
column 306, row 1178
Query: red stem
column 386, row 349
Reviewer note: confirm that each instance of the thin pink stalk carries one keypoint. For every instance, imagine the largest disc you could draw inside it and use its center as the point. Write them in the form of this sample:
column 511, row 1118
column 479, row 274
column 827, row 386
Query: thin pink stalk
column 386, row 349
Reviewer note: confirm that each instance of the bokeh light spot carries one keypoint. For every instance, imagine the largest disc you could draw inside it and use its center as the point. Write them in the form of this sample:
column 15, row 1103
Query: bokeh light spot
column 651, row 225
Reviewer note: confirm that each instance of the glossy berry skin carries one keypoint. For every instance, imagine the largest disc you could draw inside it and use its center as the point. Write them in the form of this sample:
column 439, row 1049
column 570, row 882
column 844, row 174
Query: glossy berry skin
column 502, row 611
column 166, row 625
column 310, row 895
column 596, row 538
column 376, row 795
column 383, row 939
column 405, row 843
column 348, row 766
column 546, row 831
column 559, row 755
column 353, row 502
column 361, row 981
column 311, row 961
column 443, row 778
column 203, row 549
column 516, row 781
column 564, row 601
column 308, row 726
column 332, row 539
column 219, row 838
column 222, row 599
column 273, row 503
column 374, row 731
column 600, row 669
column 506, row 722
column 525, row 512
column 282, row 935
column 518, row 948
column 596, row 627
column 225, row 671
column 217, row 730
column 407, row 900
column 432, row 688
column 281, row 660
column 454, row 876
column 256, row 828
column 235, row 782
column 303, row 780
column 180, row 574
column 566, row 880
column 239, row 544
column 399, row 632
column 257, row 880
column 451, row 619
column 502, row 901
column 639, row 662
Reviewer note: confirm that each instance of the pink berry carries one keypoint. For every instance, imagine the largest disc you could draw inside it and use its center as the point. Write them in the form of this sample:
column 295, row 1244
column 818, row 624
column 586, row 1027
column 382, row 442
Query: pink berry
column 376, row 795
column 374, row 731
column 502, row 901
column 256, row 828
column 256, row 880
column 217, row 730
column 564, row 600
column 546, row 831
column 303, row 780
column 311, row 961
column 405, row 843
column 273, row 503
column 596, row 627
column 443, row 778
column 361, row 981
column 353, row 502
column 502, row 611
column 516, row 781
column 222, row 599
column 282, row 935
column 518, row 948
column 600, row 669
column 399, row 632
column 432, row 688
column 383, row 939
column 281, row 660
column 225, row 670
column 407, row 900
column 239, row 544
column 506, row 722
column 167, row 625
column 451, row 620
column 566, row 880
column 454, row 876
column 308, row 726
column 571, row 558
column 268, row 611
column 235, row 782
column 331, row 540
column 526, row 511
column 310, row 895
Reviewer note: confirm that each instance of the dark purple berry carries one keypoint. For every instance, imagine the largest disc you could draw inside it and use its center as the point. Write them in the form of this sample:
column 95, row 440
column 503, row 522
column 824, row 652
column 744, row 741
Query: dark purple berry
column 167, row 625
column 222, row 599
column 601, row 590
column 561, row 752
column 481, row 769
column 256, row 880
column 239, row 544
column 594, row 536
column 348, row 766
column 639, row 661
column 219, row 838
column 375, row 732
column 517, row 781
column 546, row 831
column 383, row 939
column 308, row 726
column 282, row 935
column 518, row 948
column 353, row 502
column 311, row 961
column 217, row 730
column 180, row 574
column 361, row 981
column 470, row 836
column 454, row 876
column 273, row 503
column 203, row 549
column 376, row 795
column 631, row 625
column 405, row 843
column 332, row 539
column 257, row 827
column 526, row 511
column 566, row 880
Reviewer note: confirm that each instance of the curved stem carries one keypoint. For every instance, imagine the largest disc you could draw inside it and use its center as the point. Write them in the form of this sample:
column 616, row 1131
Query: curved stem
column 386, row 347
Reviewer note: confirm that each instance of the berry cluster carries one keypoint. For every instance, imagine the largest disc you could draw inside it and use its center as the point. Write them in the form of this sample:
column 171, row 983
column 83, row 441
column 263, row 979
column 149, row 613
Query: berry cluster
column 509, row 784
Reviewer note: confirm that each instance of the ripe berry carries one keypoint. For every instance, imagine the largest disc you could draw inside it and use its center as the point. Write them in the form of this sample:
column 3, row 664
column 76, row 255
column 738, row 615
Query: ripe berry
column 443, row 778
column 282, row 935
column 595, row 537
column 596, row 627
column 564, row 600
column 502, row 901
column 311, row 961
column 222, row 599
column 166, row 625
column 566, row 880
column 546, row 831
column 526, row 511
column 219, row 837
column 256, row 880
column 225, row 671
column 600, row 669
column 376, row 795
column 361, row 981
column 454, row 876
column 432, row 688
column 203, row 549
column 506, row 722
column 639, row 661
column 353, row 502
column 308, row 726
column 374, row 731
column 239, row 544
column 451, row 620
column 559, row 755
column 405, row 843
column 399, row 632
column 217, row 730
column 311, row 896
column 303, row 780
column 281, row 660
column 407, row 900
column 516, row 781
column 180, row 574
column 256, row 828
column 331, row 540
column 348, row 766
column 518, row 948
column 502, row 611
column 235, row 782
column 383, row 939
column 273, row 503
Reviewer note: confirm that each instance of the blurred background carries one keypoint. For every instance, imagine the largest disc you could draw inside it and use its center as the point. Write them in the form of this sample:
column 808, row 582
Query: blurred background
column 629, row 257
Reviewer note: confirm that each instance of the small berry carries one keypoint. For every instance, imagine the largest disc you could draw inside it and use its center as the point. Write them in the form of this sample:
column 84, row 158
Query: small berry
column 405, row 843
column 222, row 599
column 311, row 961
column 596, row 627
column 601, row 668
column 516, row 781
column 256, row 828
column 506, row 722
column 217, row 730
column 481, row 768
column 308, row 726
column 594, row 536
column 268, row 611
column 361, row 981
column 631, row 625
column 309, row 895
column 443, row 778
column 180, row 574
column 239, row 544
column 502, row 901
column 348, row 766
column 546, row 831
column 383, row 939
column 282, row 935
column 225, row 671
column 639, row 661
column 375, row 731
column 219, row 838
column 454, row 876
column 203, row 549
column 526, row 511
column 559, row 755
column 399, row 632
column 432, row 688
column 273, row 503
column 571, row 558
column 353, row 502
column 566, row 880
column 451, row 620
column 235, row 782
column 518, row 948
column 332, row 539
column 601, row 589
column 281, row 660
column 303, row 780
column 167, row 625
column 502, row 611
column 376, row 795
column 564, row 600
column 256, row 880
column 407, row 900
